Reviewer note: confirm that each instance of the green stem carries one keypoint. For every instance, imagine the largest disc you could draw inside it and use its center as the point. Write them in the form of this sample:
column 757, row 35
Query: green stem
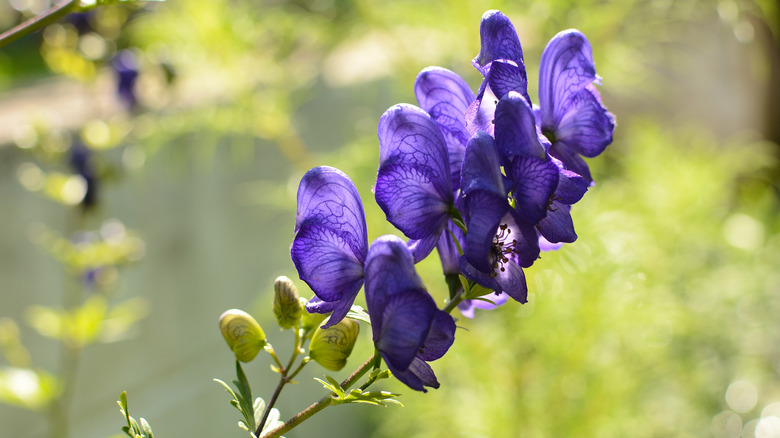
column 454, row 301
column 58, row 11
column 284, row 379
column 321, row 404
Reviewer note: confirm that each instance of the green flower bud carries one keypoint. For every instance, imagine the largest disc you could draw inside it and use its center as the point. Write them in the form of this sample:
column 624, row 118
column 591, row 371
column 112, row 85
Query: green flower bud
column 332, row 346
column 287, row 304
column 242, row 333
column 311, row 321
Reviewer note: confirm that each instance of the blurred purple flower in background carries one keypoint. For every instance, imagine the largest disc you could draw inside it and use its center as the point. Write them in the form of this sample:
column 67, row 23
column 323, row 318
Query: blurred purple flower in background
column 126, row 67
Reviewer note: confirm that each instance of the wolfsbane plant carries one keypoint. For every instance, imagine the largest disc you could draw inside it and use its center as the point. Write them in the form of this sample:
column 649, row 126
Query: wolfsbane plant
column 488, row 179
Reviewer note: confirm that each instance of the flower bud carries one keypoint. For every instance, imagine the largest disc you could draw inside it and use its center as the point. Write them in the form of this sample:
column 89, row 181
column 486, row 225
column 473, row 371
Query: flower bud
column 332, row 346
column 287, row 305
column 242, row 333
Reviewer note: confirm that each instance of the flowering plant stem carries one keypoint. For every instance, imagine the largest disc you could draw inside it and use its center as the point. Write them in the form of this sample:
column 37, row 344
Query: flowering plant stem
column 37, row 22
column 285, row 377
column 323, row 403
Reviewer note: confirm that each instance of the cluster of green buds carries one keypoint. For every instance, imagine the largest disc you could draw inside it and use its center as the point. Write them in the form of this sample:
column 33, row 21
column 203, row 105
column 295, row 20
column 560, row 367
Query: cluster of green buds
column 330, row 347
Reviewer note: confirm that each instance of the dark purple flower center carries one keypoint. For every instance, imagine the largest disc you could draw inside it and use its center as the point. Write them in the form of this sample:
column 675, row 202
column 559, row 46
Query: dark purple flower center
column 549, row 134
column 502, row 249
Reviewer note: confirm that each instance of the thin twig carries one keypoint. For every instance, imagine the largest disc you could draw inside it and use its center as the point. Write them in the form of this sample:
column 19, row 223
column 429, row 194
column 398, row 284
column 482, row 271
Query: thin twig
column 59, row 10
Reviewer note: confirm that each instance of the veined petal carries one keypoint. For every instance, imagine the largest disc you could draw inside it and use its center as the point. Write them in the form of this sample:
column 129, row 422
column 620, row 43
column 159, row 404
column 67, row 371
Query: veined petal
column 516, row 133
column 571, row 159
column 440, row 337
column 498, row 41
column 505, row 76
column 448, row 252
column 421, row 248
column 571, row 187
column 417, row 376
column 585, row 124
column 408, row 135
column 326, row 263
column 481, row 167
column 446, row 97
column 566, row 68
column 535, row 181
column 557, row 226
column 405, row 322
column 328, row 199
column 409, row 197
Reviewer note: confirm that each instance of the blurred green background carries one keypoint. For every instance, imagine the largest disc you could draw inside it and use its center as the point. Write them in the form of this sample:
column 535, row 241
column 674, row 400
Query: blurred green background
column 661, row 320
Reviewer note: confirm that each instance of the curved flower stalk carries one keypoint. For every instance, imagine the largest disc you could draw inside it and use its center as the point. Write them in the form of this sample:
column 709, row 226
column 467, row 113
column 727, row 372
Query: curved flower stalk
column 571, row 114
column 413, row 184
column 331, row 241
column 409, row 330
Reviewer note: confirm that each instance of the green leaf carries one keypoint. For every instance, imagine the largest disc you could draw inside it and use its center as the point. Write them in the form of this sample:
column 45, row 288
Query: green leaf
column 336, row 390
column 357, row 312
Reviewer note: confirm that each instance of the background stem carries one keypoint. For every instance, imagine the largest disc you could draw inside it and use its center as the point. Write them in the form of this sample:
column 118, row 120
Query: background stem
column 58, row 11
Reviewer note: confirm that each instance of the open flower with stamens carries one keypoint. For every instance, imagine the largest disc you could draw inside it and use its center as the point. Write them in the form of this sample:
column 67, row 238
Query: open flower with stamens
column 408, row 328
column 331, row 240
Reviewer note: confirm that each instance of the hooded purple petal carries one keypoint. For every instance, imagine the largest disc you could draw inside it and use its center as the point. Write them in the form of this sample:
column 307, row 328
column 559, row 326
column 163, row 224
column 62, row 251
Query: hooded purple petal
column 440, row 337
column 446, row 97
column 414, row 186
column 534, row 183
column 505, row 76
column 331, row 240
column 498, row 41
column 572, row 114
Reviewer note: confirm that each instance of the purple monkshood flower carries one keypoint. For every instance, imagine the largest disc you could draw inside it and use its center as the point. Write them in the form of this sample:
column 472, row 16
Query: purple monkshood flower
column 126, row 67
column 408, row 328
column 571, row 114
column 413, row 183
column 82, row 162
column 331, row 240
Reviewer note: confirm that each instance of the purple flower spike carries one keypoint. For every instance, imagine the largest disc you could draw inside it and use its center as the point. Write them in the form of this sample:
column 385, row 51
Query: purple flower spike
column 533, row 174
column 446, row 97
column 499, row 41
column 572, row 115
column 331, row 240
column 413, row 184
column 408, row 329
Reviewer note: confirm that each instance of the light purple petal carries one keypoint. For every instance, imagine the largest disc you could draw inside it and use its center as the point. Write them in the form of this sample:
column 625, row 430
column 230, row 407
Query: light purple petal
column 467, row 307
column 448, row 252
column 446, row 97
column 329, row 199
column 481, row 113
column 585, row 125
column 410, row 200
column 566, row 68
column 408, row 135
column 326, row 263
column 498, row 41
column 546, row 245
column 557, row 226
column 414, row 186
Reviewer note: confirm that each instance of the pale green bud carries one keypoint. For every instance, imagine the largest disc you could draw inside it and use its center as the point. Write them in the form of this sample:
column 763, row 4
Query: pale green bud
column 311, row 321
column 332, row 346
column 242, row 333
column 287, row 305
